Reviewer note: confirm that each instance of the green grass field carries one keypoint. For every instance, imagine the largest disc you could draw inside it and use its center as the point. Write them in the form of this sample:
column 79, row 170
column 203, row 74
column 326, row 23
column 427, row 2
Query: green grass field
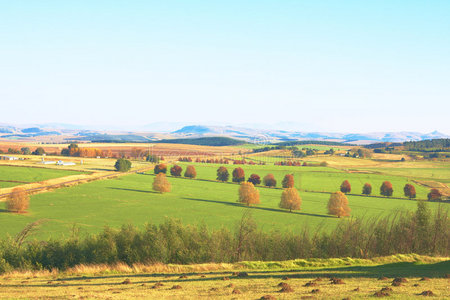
column 130, row 199
column 10, row 174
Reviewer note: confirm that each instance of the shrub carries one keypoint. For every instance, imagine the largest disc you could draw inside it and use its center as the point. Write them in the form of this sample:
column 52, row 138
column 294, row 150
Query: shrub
column 160, row 168
column 122, row 165
column 25, row 150
column 18, row 200
column 324, row 163
column 434, row 195
column 367, row 189
column 176, row 171
column 161, row 184
column 222, row 174
column 255, row 179
column 39, row 151
column 238, row 175
column 410, row 191
column 269, row 180
column 190, row 172
column 248, row 194
column 288, row 181
column 152, row 158
column 290, row 199
column 346, row 187
column 338, row 205
column 386, row 189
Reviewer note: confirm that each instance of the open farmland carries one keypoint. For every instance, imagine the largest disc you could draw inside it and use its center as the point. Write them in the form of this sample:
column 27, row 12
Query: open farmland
column 134, row 150
column 15, row 175
column 130, row 199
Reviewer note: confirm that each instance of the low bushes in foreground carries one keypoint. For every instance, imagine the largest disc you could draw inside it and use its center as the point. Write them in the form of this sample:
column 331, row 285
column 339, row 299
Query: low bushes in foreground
column 172, row 242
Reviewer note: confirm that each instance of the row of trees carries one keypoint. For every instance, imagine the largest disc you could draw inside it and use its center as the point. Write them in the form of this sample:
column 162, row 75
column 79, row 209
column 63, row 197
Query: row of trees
column 25, row 151
column 74, row 150
column 239, row 176
column 387, row 190
column 170, row 242
column 176, row 170
column 290, row 198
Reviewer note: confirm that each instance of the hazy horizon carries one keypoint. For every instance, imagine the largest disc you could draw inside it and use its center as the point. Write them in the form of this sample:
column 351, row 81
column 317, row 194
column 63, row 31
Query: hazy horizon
column 328, row 66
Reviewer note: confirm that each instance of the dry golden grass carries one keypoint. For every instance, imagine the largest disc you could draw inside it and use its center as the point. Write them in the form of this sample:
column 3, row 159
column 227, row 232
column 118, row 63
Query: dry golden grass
column 211, row 285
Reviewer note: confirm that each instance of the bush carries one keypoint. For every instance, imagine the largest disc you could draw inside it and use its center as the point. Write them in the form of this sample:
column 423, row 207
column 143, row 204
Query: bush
column 25, row 151
column 255, row 179
column 324, row 163
column 269, row 180
column 122, row 165
column 288, row 181
column 434, row 195
column 386, row 189
column 338, row 205
column 176, row 171
column 410, row 191
column 190, row 172
column 222, row 174
column 161, row 184
column 18, row 201
column 171, row 242
column 367, row 189
column 238, row 175
column 152, row 158
column 248, row 194
column 161, row 168
column 290, row 199
column 39, row 151
column 346, row 187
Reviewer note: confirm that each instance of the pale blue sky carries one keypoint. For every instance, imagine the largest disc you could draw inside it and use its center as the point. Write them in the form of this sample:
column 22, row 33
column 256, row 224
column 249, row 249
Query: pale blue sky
column 329, row 65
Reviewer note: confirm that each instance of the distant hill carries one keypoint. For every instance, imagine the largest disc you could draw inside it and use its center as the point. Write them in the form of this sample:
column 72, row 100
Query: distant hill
column 205, row 141
column 67, row 132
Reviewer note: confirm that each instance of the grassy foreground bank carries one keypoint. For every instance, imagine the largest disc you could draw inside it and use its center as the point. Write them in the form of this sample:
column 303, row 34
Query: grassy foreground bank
column 310, row 278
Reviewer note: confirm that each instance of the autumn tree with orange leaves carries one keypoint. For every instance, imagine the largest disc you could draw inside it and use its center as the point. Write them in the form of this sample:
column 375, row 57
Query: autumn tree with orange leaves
column 238, row 175
column 346, row 187
column 161, row 184
column 290, row 199
column 288, row 181
column 190, row 172
column 386, row 189
column 18, row 201
column 338, row 205
column 248, row 194
column 269, row 180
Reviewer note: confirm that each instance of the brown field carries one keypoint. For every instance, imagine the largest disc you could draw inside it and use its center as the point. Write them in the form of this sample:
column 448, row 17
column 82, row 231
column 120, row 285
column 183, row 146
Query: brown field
column 129, row 149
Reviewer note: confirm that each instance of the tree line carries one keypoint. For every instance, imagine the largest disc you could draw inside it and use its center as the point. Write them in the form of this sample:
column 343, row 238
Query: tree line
column 386, row 189
column 421, row 232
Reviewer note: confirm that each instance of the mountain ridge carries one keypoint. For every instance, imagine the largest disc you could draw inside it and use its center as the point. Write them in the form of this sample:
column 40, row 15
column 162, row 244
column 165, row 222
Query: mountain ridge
column 67, row 132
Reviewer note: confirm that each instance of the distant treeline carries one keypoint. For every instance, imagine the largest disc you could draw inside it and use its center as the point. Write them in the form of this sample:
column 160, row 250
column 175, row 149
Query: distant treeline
column 383, row 145
column 312, row 142
column 421, row 232
column 428, row 145
column 204, row 141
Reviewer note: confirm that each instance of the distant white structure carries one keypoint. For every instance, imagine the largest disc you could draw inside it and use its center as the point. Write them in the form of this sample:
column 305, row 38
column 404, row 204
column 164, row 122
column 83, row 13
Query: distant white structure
column 6, row 157
column 49, row 162
column 61, row 163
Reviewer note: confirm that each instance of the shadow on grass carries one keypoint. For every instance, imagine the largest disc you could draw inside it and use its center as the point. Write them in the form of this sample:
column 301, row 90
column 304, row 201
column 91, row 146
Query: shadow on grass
column 401, row 269
column 255, row 207
column 133, row 190
column 100, row 169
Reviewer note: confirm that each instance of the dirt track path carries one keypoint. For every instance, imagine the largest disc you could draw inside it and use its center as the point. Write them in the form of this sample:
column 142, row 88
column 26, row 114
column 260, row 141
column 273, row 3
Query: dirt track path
column 50, row 184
